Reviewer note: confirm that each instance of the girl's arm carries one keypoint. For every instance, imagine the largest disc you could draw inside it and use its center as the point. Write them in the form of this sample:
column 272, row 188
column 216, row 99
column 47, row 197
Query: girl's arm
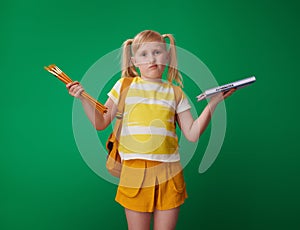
column 99, row 121
column 192, row 129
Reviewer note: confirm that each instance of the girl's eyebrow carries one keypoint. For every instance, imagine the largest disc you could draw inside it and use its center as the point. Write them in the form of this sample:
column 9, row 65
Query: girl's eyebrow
column 146, row 49
column 158, row 47
column 142, row 51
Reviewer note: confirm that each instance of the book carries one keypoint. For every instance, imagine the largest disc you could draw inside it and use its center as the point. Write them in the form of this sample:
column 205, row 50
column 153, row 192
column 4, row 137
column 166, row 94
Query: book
column 237, row 84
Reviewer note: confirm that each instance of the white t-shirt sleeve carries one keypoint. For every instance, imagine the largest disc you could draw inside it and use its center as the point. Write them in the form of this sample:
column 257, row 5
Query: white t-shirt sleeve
column 183, row 104
column 114, row 93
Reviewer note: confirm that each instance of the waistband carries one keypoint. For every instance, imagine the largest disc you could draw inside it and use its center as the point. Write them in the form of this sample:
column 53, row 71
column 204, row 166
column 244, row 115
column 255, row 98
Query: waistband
column 144, row 173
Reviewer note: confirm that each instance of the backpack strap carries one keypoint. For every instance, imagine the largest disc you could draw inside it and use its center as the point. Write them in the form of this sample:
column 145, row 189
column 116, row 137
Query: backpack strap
column 178, row 97
column 121, row 104
column 123, row 92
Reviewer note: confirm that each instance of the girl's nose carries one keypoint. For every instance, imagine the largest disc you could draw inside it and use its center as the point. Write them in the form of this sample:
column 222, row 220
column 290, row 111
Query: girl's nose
column 152, row 59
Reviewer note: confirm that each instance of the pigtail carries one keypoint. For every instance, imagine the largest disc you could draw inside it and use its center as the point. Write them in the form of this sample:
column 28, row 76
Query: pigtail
column 173, row 73
column 128, row 69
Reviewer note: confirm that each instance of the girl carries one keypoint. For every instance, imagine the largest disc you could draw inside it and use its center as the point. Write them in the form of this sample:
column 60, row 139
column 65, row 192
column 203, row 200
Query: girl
column 151, row 181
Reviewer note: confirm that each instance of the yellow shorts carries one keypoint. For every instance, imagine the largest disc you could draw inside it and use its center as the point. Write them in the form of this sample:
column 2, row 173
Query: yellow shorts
column 148, row 185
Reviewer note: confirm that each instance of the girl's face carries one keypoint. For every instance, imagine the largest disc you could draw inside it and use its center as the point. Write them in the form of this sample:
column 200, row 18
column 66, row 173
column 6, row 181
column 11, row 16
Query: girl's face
column 151, row 58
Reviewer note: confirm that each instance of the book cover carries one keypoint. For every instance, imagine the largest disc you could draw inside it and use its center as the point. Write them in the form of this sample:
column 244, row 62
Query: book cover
column 237, row 84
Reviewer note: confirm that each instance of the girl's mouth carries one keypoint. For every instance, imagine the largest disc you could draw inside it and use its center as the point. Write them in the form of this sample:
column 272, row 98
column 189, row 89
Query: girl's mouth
column 153, row 67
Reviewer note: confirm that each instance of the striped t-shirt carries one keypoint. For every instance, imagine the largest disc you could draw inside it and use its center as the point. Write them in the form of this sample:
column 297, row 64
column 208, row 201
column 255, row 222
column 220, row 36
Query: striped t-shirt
column 148, row 128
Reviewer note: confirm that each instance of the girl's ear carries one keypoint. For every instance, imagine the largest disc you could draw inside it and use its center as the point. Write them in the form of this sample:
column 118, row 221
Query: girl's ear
column 132, row 59
column 168, row 57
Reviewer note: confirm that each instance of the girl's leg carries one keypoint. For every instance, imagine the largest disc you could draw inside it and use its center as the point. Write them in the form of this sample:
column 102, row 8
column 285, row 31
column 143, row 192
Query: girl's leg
column 166, row 220
column 138, row 220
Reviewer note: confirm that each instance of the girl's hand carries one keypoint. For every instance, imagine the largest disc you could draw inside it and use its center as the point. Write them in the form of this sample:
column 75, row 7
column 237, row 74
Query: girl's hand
column 221, row 96
column 75, row 89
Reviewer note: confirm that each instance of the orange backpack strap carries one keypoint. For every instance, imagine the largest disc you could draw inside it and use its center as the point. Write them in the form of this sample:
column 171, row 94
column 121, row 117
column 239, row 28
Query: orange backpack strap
column 178, row 97
column 123, row 92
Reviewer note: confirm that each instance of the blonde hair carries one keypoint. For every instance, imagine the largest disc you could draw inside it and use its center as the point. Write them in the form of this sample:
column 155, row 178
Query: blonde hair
column 130, row 46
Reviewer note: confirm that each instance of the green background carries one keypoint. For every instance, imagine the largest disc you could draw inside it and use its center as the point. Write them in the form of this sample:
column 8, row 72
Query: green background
column 253, row 184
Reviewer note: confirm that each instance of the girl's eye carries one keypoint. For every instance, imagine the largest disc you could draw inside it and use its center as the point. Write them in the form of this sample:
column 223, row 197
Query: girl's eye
column 143, row 54
column 157, row 52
